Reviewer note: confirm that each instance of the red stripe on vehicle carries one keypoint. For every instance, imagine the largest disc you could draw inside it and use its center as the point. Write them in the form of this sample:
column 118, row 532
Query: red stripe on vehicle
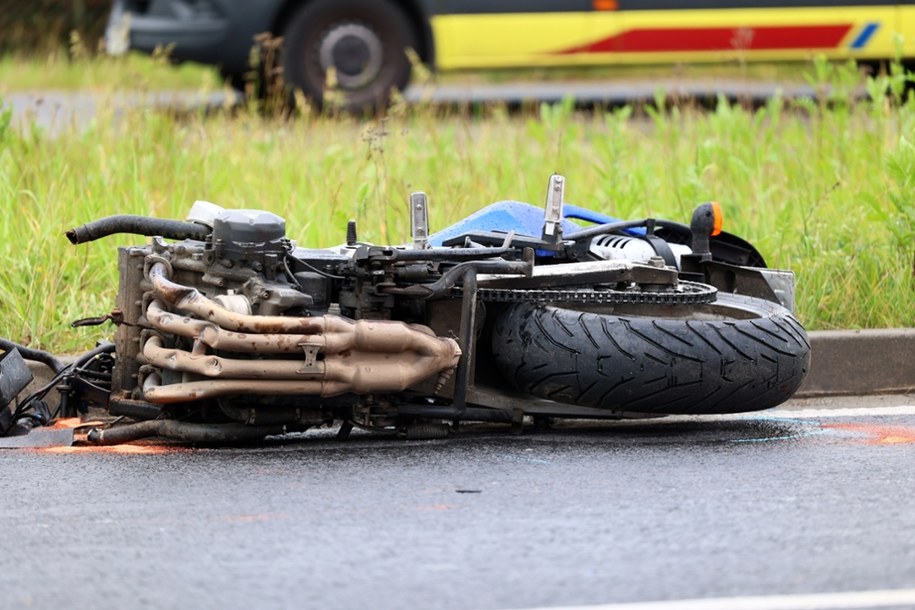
column 718, row 39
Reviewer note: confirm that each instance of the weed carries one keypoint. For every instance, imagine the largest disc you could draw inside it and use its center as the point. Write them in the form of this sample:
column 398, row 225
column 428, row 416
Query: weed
column 823, row 186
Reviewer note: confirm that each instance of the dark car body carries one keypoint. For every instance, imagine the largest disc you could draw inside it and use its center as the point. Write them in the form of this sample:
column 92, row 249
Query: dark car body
column 215, row 32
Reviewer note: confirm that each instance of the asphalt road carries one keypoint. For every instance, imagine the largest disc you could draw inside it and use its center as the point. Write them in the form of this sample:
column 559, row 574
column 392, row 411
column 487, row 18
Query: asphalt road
column 808, row 502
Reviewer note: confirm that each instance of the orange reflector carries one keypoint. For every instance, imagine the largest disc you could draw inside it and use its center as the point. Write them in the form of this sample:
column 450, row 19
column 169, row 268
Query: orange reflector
column 718, row 218
column 605, row 5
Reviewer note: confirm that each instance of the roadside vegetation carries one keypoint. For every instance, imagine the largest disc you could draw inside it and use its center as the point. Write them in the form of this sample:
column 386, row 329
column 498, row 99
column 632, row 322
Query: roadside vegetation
column 822, row 186
column 80, row 68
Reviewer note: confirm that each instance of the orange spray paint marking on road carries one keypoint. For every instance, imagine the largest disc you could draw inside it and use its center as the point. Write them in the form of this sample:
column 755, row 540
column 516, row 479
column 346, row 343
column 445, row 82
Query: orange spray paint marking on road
column 120, row 449
column 877, row 434
column 68, row 422
column 253, row 518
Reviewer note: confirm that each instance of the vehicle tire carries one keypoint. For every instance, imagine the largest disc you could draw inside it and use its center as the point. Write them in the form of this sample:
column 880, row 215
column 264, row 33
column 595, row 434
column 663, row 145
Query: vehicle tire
column 737, row 354
column 364, row 40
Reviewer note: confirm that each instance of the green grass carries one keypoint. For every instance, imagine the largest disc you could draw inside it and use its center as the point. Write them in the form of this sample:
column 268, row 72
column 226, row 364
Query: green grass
column 825, row 189
column 63, row 70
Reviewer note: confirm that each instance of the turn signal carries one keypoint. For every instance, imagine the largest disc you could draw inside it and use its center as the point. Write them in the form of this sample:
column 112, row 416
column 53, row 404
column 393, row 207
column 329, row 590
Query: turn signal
column 706, row 223
column 717, row 218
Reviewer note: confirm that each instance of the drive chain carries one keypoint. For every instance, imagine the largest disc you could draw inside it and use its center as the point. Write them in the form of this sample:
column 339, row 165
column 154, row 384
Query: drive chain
column 686, row 293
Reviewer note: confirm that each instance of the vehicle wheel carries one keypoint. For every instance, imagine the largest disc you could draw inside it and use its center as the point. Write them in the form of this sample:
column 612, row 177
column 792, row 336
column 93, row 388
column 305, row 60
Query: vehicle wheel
column 736, row 354
column 363, row 40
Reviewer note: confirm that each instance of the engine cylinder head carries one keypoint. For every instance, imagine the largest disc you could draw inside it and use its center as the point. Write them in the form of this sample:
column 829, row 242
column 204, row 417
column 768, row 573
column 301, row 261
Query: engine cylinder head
column 240, row 235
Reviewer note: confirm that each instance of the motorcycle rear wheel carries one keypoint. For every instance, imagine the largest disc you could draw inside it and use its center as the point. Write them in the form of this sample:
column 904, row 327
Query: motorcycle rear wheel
column 736, row 354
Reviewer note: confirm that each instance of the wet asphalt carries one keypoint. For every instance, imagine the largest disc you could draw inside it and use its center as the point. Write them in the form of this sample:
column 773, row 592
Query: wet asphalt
column 777, row 503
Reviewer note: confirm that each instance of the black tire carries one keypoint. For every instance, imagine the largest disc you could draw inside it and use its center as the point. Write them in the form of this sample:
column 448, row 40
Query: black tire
column 737, row 354
column 364, row 40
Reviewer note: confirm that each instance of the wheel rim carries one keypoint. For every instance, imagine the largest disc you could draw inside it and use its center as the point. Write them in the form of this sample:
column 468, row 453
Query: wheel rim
column 354, row 51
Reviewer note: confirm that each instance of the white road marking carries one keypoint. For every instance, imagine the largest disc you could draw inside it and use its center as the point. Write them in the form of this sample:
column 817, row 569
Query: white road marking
column 776, row 414
column 897, row 598
column 853, row 412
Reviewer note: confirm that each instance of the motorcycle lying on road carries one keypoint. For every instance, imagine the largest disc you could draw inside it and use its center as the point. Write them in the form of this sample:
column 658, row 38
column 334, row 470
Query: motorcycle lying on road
column 227, row 331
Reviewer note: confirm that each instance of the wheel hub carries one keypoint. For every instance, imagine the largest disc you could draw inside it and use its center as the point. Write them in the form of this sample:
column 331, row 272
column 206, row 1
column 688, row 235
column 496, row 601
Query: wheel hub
column 354, row 51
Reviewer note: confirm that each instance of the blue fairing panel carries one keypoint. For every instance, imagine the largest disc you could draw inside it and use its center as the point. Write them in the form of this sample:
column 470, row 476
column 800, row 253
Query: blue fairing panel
column 522, row 218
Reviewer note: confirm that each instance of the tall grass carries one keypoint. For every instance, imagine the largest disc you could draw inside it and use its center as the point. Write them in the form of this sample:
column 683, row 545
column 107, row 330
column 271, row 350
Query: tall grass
column 80, row 68
column 824, row 187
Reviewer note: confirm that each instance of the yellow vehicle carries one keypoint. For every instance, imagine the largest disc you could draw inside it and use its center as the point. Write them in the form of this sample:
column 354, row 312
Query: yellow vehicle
column 661, row 31
column 363, row 41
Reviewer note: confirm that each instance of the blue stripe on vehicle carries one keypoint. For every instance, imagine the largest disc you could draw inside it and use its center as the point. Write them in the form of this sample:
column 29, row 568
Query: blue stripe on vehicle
column 865, row 36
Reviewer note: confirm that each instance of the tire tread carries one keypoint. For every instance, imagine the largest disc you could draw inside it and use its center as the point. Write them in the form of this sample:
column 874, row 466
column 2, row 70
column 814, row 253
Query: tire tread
column 654, row 365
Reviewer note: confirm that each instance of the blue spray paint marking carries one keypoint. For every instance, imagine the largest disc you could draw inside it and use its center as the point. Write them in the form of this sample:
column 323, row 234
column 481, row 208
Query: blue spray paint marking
column 788, row 420
column 865, row 36
column 524, row 458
